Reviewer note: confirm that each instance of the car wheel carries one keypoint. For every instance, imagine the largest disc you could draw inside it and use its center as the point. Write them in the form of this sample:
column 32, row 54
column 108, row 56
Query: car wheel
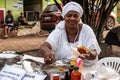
column 110, row 23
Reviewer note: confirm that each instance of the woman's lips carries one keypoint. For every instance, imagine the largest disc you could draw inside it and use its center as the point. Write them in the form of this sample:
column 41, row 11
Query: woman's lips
column 72, row 23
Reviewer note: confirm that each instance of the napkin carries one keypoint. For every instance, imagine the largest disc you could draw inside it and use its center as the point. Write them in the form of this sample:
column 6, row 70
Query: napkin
column 11, row 73
column 27, row 62
column 37, row 59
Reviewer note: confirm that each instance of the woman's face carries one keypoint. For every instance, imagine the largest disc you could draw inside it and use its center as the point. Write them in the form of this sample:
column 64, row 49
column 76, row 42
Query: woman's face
column 72, row 19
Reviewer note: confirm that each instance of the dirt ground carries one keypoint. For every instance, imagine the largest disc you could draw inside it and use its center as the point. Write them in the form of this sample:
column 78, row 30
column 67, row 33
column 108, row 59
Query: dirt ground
column 23, row 43
column 30, row 45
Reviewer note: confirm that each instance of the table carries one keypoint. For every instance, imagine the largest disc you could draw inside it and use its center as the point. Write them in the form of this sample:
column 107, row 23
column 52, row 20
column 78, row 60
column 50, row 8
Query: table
column 100, row 72
column 95, row 72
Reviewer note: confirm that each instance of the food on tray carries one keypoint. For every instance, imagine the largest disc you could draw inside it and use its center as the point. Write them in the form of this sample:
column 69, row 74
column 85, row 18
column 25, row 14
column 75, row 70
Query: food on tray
column 61, row 68
column 82, row 49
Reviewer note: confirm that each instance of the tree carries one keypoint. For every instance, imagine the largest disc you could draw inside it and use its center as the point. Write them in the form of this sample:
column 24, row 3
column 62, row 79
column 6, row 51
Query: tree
column 95, row 13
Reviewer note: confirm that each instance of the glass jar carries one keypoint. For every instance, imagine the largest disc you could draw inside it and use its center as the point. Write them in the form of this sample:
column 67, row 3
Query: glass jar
column 55, row 76
column 73, row 61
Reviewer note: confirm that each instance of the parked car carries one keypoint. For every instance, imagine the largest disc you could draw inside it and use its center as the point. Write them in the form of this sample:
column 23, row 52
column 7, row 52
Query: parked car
column 52, row 15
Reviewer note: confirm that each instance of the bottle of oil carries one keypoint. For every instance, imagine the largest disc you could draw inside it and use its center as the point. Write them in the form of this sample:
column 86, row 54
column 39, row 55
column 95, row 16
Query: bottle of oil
column 75, row 74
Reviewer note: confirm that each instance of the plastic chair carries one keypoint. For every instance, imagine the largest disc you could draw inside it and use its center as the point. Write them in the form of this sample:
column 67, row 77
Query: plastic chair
column 113, row 62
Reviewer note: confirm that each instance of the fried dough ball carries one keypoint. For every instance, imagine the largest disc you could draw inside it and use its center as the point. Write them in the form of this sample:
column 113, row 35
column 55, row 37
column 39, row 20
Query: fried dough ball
column 82, row 49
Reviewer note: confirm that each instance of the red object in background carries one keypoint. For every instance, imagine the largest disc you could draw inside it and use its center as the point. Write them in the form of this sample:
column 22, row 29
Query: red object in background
column 1, row 15
column 1, row 18
column 56, row 78
column 75, row 74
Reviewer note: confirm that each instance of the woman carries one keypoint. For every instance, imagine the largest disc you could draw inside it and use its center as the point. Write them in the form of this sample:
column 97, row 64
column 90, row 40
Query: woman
column 70, row 32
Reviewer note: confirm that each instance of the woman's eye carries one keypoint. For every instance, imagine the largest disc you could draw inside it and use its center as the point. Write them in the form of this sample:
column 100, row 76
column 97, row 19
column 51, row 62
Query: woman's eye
column 75, row 16
column 68, row 15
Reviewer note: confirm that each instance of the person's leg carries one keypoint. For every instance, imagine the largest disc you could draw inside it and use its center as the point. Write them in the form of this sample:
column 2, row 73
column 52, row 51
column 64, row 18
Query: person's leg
column 34, row 24
column 26, row 24
column 9, row 30
column 11, row 27
column 6, row 31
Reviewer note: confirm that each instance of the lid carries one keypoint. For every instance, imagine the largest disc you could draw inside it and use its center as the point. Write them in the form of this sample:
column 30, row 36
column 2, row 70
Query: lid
column 8, row 54
column 76, row 68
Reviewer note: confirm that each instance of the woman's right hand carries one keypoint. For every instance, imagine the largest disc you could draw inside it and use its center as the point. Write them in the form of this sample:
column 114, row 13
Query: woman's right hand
column 49, row 57
column 46, row 51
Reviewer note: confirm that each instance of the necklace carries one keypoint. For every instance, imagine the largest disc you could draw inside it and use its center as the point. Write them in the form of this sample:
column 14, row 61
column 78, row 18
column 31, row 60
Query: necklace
column 76, row 35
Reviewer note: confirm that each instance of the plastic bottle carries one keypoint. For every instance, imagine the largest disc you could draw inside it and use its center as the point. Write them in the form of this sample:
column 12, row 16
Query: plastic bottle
column 80, row 64
column 90, row 76
column 75, row 74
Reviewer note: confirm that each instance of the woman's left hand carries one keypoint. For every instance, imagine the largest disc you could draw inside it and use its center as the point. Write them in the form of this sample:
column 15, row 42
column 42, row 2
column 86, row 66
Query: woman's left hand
column 90, row 54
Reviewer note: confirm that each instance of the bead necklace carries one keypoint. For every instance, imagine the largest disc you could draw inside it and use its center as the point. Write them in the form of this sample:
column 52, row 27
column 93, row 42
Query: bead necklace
column 76, row 35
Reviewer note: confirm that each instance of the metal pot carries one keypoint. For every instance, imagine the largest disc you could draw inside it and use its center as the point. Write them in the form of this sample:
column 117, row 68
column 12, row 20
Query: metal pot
column 9, row 57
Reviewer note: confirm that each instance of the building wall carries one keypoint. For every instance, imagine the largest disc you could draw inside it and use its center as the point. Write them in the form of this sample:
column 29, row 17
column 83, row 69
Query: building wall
column 2, row 10
column 32, row 9
column 45, row 2
column 52, row 1
column 2, row 3
column 33, row 5
column 15, row 5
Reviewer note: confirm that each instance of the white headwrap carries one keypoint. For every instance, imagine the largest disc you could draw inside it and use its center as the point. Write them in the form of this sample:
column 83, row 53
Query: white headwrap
column 72, row 6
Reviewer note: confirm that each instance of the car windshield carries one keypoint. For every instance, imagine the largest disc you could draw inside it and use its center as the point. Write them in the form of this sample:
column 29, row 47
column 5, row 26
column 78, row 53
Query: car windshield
column 50, row 8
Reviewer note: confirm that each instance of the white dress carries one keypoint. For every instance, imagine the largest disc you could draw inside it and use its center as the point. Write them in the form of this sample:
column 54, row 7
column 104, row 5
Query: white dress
column 61, row 46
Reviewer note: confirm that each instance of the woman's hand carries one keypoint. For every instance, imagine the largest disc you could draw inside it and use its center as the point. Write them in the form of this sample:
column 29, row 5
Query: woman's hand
column 49, row 57
column 89, row 55
column 46, row 51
